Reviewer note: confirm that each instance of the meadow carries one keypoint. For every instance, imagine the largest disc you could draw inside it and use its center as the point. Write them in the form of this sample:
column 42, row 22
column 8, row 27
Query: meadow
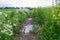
column 10, row 19
column 48, row 19
column 49, row 22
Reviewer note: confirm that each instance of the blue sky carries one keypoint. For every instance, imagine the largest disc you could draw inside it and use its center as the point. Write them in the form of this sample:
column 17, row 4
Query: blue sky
column 25, row 3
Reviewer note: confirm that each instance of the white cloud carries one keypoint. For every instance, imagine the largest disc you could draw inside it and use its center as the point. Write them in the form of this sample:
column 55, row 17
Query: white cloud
column 27, row 3
column 35, row 3
column 11, row 2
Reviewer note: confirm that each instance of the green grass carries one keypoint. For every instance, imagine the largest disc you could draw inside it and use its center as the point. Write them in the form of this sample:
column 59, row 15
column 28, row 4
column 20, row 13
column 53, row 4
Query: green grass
column 10, row 19
column 48, row 19
column 49, row 27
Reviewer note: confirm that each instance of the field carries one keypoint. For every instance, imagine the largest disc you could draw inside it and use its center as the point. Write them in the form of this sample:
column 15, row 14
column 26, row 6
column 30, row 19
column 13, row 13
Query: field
column 10, row 19
column 46, row 22
column 49, row 23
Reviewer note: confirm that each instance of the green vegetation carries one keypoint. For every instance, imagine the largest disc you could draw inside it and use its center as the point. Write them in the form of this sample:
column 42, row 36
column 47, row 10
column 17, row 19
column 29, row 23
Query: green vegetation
column 10, row 19
column 49, row 20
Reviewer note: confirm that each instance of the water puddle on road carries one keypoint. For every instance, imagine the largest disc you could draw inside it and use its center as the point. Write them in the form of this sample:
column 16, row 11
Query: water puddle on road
column 27, row 28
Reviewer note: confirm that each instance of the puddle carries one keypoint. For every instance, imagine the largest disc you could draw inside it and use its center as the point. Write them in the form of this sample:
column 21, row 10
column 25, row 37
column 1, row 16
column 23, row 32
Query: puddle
column 27, row 28
column 30, row 19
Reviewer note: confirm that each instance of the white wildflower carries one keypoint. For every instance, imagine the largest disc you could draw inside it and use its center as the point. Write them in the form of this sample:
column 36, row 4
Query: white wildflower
column 5, row 14
column 3, row 31
column 8, row 26
column 0, row 13
column 14, row 24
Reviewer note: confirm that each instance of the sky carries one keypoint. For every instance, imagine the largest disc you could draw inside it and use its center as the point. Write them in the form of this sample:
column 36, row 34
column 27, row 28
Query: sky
column 25, row 3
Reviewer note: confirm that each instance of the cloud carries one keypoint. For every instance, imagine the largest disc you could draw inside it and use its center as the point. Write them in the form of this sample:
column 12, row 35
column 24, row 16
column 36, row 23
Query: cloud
column 5, row 5
column 27, row 3
column 10, row 2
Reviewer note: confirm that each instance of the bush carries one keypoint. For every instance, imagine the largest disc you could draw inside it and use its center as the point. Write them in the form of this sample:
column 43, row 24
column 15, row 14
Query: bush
column 50, row 28
column 9, row 23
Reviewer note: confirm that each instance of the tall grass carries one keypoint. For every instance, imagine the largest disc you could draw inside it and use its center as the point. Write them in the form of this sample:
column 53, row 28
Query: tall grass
column 9, row 23
column 49, row 21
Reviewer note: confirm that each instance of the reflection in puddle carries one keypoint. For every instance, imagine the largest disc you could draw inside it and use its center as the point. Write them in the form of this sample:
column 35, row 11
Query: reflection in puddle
column 30, row 19
column 27, row 28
